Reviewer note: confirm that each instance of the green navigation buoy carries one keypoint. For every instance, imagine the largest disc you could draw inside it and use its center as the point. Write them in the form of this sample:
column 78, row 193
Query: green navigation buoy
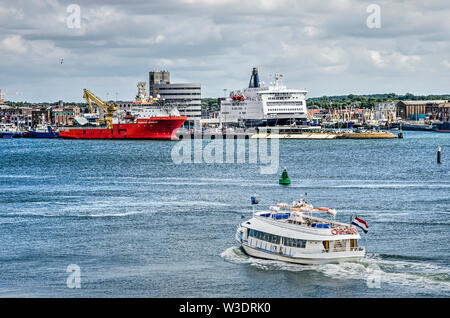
column 284, row 179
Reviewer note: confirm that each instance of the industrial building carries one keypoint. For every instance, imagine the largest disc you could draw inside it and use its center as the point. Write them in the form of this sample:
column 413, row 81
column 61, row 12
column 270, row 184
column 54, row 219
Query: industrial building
column 424, row 109
column 383, row 110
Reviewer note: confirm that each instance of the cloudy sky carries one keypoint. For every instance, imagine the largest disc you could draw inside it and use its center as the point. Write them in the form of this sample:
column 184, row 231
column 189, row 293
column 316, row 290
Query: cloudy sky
column 323, row 46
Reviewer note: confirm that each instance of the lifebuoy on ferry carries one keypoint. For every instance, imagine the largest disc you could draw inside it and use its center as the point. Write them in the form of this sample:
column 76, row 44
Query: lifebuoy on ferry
column 341, row 231
column 349, row 231
column 355, row 231
column 334, row 231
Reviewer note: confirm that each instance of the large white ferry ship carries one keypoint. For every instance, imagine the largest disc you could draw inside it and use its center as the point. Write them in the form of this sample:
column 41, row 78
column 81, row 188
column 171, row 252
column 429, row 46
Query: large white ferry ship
column 294, row 233
column 259, row 104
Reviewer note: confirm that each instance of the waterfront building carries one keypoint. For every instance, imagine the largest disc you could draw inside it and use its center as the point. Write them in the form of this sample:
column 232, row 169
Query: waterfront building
column 424, row 109
column 157, row 78
column 22, row 121
column 63, row 116
column 37, row 114
column 7, row 111
column 185, row 96
column 22, row 117
column 382, row 110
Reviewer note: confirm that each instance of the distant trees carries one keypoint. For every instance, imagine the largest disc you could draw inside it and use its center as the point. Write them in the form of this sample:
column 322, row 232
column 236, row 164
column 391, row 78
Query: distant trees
column 211, row 104
column 365, row 101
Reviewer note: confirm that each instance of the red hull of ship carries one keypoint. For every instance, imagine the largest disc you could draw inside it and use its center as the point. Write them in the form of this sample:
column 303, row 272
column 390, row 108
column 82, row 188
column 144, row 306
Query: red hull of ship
column 149, row 128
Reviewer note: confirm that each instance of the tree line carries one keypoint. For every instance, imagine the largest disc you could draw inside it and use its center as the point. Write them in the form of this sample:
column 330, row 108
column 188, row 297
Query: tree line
column 365, row 101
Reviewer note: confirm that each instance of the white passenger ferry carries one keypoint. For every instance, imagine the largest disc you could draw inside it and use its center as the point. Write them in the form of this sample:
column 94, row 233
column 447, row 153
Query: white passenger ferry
column 259, row 104
column 296, row 233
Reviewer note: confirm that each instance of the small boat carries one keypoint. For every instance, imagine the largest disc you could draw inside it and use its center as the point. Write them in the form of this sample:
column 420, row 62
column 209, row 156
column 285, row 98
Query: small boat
column 9, row 131
column 416, row 127
column 294, row 233
column 442, row 127
column 42, row 131
column 11, row 135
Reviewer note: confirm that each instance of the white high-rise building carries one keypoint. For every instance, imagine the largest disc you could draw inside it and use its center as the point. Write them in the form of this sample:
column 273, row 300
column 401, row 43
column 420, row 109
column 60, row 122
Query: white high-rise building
column 185, row 96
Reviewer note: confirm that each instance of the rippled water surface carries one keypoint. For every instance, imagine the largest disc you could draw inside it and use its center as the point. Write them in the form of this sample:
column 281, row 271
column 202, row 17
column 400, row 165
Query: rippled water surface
column 139, row 225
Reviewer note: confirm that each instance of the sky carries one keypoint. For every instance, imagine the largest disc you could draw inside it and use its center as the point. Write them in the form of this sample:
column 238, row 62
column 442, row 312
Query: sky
column 335, row 47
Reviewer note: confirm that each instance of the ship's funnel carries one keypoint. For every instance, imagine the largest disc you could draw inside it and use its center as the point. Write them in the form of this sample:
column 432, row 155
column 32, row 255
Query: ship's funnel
column 254, row 79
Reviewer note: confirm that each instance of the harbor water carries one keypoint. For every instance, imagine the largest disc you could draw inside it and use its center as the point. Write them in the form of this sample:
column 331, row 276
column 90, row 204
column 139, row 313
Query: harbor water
column 137, row 224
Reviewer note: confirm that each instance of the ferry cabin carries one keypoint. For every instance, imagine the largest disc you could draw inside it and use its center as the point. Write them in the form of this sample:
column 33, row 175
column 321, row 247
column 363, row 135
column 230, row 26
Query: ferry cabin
column 309, row 241
column 265, row 104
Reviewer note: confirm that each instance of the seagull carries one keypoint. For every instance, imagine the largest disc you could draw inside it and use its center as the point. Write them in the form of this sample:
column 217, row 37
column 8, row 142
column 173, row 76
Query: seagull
column 62, row 61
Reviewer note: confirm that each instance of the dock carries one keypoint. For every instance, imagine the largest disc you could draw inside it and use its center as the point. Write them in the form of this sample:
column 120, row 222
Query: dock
column 326, row 136
column 297, row 135
column 316, row 136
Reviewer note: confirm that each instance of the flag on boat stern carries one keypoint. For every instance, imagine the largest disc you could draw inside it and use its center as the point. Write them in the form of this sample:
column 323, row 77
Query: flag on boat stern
column 361, row 223
column 254, row 201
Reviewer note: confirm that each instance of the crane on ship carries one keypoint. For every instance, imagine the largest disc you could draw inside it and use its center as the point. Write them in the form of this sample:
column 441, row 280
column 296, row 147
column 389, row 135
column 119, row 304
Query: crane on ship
column 108, row 108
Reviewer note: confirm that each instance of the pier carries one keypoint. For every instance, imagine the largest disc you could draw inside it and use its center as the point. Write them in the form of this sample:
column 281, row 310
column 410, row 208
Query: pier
column 305, row 135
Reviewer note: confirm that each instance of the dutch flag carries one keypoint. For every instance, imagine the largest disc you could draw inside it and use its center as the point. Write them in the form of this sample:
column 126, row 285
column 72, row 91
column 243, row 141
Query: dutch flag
column 361, row 223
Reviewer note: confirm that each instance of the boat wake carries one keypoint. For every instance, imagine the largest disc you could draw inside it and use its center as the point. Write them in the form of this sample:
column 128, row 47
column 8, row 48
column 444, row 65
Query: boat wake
column 418, row 274
column 68, row 215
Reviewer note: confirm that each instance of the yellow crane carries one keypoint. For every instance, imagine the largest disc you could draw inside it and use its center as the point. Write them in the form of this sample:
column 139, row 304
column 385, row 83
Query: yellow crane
column 108, row 108
column 346, row 116
column 391, row 117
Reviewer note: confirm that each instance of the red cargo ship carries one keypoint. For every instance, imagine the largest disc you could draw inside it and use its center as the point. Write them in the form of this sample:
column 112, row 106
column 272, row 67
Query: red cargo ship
column 148, row 128
column 147, row 119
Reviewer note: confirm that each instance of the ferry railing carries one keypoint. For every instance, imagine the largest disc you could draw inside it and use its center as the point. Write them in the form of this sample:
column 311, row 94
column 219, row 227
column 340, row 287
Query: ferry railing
column 307, row 222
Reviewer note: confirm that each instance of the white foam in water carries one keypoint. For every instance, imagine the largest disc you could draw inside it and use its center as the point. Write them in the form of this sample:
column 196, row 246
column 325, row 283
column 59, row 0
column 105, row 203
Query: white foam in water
column 394, row 185
column 425, row 277
column 53, row 214
column 190, row 203
column 17, row 176
column 116, row 214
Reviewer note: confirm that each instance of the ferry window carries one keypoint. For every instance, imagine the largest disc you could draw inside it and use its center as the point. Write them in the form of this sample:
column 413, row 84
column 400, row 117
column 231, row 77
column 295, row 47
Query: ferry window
column 294, row 242
column 275, row 239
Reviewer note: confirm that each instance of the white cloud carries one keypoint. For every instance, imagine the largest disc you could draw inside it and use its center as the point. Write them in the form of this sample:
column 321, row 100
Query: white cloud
column 13, row 44
column 376, row 58
column 384, row 59
column 310, row 31
column 446, row 63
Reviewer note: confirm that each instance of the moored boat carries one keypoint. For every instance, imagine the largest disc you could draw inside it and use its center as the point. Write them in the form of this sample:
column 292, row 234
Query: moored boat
column 8, row 130
column 416, row 127
column 146, row 128
column 42, row 131
column 148, row 119
column 442, row 127
column 293, row 233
